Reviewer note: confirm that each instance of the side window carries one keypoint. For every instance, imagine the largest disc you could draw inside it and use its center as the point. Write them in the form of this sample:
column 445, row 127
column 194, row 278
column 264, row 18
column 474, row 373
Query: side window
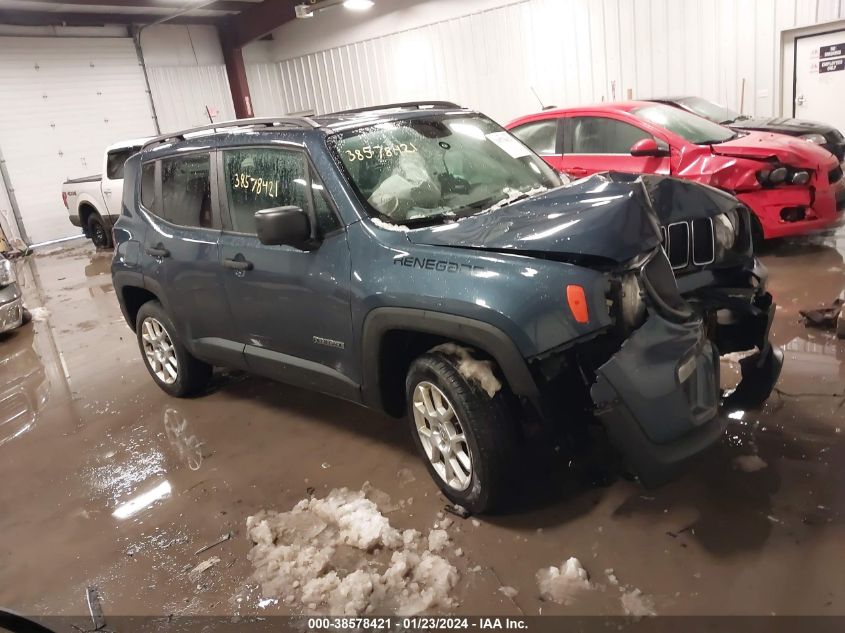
column 263, row 178
column 186, row 190
column 598, row 135
column 541, row 136
column 115, row 160
column 148, row 187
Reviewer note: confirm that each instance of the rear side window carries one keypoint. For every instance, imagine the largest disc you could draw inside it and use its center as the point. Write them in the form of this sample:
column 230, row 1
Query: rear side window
column 597, row 135
column 263, row 178
column 186, row 190
column 115, row 160
column 541, row 136
column 148, row 187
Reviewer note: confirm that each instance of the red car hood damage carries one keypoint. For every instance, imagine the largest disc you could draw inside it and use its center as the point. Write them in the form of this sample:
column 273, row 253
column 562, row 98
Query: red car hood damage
column 733, row 165
column 768, row 146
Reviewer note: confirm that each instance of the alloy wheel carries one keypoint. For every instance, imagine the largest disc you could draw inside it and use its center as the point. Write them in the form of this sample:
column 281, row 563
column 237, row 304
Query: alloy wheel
column 159, row 351
column 442, row 436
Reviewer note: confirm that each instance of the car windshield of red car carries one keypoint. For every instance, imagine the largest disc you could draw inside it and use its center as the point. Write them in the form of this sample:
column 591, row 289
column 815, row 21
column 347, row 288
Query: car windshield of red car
column 685, row 124
column 710, row 110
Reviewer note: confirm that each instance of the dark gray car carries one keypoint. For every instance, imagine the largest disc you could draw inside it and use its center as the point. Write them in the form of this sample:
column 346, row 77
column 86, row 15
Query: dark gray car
column 420, row 260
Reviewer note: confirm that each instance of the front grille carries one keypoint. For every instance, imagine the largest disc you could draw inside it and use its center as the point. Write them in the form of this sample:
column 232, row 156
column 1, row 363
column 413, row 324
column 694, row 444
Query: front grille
column 688, row 242
column 835, row 174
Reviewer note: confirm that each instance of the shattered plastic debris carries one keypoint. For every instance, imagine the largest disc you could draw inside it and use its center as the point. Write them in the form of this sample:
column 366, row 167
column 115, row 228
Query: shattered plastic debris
column 635, row 603
column 562, row 584
column 479, row 371
column 749, row 463
column 329, row 556
column 510, row 592
column 405, row 476
column 195, row 574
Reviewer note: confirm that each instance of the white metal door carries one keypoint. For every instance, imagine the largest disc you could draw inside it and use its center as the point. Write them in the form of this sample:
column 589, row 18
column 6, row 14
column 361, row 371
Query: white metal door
column 820, row 78
column 63, row 101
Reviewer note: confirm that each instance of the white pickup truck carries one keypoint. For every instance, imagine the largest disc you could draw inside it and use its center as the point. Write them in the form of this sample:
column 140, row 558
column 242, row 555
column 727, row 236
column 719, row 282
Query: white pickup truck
column 94, row 202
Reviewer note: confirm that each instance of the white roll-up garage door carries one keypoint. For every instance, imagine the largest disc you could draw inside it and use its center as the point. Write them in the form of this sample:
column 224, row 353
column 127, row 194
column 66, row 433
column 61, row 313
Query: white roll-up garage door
column 62, row 101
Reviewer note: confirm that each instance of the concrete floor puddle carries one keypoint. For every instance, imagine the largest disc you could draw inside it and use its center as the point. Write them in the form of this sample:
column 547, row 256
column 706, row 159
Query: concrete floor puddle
column 108, row 482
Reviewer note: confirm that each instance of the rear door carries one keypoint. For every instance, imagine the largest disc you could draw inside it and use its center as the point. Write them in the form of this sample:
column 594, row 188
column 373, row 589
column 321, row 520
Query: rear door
column 596, row 143
column 181, row 252
column 291, row 307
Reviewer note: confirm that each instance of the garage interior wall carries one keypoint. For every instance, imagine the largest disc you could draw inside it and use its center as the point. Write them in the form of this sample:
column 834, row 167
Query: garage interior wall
column 493, row 55
column 68, row 93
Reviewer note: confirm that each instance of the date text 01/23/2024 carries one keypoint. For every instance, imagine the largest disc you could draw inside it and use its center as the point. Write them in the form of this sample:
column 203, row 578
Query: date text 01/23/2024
column 418, row 623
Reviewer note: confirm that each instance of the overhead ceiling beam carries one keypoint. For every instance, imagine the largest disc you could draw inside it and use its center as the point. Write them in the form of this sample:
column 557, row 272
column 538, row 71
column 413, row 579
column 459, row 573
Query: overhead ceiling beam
column 220, row 5
column 51, row 18
column 258, row 20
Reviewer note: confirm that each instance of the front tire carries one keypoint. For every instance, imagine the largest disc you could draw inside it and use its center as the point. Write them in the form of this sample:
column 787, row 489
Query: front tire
column 98, row 231
column 466, row 438
column 170, row 364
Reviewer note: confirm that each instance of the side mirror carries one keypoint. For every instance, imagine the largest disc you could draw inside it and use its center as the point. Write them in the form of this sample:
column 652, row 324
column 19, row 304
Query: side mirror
column 287, row 226
column 648, row 147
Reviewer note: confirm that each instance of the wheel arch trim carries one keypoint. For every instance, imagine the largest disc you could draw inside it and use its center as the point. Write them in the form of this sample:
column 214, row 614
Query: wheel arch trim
column 479, row 334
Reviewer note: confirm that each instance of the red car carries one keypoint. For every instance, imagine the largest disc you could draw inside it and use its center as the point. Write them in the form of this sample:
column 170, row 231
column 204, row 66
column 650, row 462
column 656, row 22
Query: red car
column 792, row 186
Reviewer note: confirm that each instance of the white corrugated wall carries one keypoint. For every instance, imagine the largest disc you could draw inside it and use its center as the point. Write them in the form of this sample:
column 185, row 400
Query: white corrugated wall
column 569, row 51
column 182, row 93
column 63, row 101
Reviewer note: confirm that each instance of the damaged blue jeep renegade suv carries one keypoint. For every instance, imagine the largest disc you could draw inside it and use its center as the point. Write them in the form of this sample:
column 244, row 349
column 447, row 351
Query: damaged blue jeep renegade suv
column 419, row 260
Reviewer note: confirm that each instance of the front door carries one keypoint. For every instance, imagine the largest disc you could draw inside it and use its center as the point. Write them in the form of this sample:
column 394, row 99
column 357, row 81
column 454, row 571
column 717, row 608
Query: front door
column 820, row 78
column 112, row 180
column 180, row 251
column 291, row 307
column 593, row 144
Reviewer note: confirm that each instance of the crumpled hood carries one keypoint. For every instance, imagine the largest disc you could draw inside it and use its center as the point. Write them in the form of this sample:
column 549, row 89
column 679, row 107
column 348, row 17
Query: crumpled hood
column 596, row 217
column 768, row 146
column 782, row 125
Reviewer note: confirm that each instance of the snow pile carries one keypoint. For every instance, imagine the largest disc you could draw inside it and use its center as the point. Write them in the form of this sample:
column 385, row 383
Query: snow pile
column 478, row 371
column 749, row 463
column 509, row 592
column 387, row 226
column 330, row 556
column 39, row 313
column 562, row 584
column 634, row 602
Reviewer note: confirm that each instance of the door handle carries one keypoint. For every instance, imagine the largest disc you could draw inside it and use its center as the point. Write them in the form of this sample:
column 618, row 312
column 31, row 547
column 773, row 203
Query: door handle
column 157, row 252
column 576, row 171
column 237, row 264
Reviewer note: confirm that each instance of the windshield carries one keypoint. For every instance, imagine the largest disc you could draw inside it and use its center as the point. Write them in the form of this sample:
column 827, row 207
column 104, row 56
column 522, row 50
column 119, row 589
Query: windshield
column 690, row 126
column 709, row 110
column 439, row 167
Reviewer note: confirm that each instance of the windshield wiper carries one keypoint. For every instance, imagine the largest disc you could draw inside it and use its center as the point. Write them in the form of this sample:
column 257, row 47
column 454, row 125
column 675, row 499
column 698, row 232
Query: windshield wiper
column 515, row 195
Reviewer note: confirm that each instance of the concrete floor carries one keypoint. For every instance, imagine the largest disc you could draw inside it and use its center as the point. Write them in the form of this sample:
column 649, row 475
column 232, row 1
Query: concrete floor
column 91, row 431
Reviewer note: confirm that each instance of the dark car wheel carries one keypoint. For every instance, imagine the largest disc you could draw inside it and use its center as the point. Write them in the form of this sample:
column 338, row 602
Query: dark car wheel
column 169, row 363
column 465, row 437
column 100, row 235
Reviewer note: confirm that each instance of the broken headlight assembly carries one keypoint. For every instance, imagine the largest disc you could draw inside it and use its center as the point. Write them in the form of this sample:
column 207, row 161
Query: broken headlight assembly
column 647, row 282
column 726, row 229
column 817, row 139
column 782, row 174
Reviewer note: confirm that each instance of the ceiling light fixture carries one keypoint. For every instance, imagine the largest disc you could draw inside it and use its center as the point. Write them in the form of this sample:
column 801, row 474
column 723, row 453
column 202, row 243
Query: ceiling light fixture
column 308, row 9
column 358, row 5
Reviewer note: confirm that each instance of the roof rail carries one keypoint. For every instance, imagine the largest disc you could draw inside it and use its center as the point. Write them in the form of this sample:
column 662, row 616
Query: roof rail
column 304, row 123
column 405, row 104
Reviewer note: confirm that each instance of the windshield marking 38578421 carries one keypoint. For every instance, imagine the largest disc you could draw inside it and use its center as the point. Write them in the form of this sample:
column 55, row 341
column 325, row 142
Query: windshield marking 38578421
column 438, row 168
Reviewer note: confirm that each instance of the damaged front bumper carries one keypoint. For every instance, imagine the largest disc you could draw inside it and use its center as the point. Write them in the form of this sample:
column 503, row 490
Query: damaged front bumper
column 738, row 314
column 658, row 397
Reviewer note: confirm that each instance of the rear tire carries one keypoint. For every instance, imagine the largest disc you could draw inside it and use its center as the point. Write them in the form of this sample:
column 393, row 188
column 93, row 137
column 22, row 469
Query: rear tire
column 98, row 231
column 475, row 469
column 170, row 364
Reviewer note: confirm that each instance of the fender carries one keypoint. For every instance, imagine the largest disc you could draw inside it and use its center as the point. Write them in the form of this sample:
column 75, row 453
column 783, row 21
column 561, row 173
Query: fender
column 476, row 333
